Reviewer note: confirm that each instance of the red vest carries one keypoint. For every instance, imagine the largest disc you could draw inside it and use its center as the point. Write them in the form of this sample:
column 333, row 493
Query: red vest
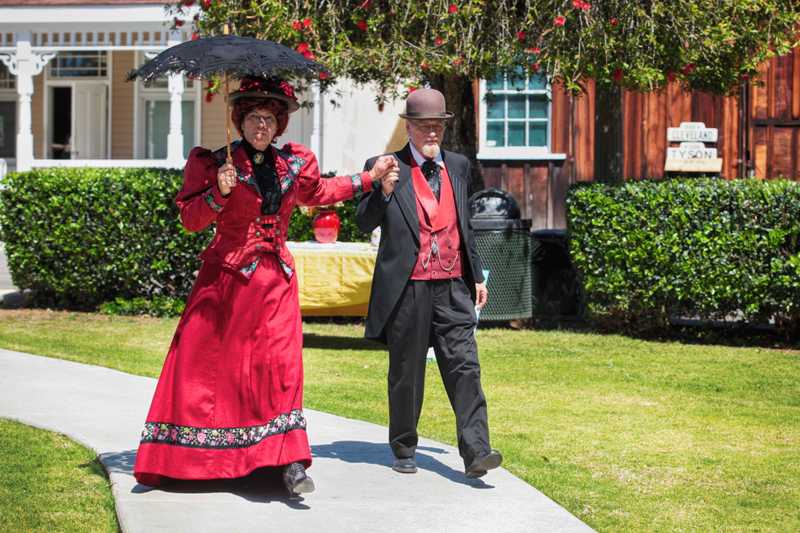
column 438, row 229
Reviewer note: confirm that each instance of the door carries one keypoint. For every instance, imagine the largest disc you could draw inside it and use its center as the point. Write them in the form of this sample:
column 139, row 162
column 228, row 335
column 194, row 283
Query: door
column 8, row 129
column 90, row 121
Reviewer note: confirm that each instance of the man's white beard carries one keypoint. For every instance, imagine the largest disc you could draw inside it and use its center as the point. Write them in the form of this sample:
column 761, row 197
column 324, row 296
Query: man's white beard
column 430, row 150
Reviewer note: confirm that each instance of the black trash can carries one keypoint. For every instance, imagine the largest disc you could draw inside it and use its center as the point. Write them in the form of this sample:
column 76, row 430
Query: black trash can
column 557, row 293
column 504, row 246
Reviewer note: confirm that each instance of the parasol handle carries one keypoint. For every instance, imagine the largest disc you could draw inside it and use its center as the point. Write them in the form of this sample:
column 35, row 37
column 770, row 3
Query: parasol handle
column 228, row 121
column 229, row 159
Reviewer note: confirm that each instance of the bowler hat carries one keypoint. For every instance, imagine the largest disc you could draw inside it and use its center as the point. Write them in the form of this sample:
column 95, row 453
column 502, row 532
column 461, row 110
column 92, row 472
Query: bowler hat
column 425, row 103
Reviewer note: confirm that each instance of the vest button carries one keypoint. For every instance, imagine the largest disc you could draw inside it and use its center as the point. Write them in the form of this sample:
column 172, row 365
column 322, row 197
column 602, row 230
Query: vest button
column 258, row 234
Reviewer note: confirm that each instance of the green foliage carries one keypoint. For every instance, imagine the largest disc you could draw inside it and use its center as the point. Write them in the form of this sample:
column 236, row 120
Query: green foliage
column 80, row 237
column 159, row 306
column 707, row 44
column 693, row 247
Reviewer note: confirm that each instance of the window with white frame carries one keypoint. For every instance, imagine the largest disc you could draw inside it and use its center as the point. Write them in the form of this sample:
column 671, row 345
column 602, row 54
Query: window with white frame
column 7, row 80
column 79, row 64
column 515, row 116
column 153, row 119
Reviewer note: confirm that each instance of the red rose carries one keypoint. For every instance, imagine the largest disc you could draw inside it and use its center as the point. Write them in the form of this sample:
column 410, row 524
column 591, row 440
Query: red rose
column 303, row 48
column 287, row 89
column 577, row 4
column 618, row 75
column 688, row 69
column 521, row 36
column 671, row 76
column 206, row 4
column 438, row 41
column 209, row 97
column 452, row 9
column 362, row 25
column 411, row 89
column 306, row 23
column 297, row 25
column 537, row 50
column 178, row 23
column 613, row 21
column 560, row 20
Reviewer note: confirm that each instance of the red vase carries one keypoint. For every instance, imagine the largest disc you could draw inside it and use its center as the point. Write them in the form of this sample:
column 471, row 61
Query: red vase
column 326, row 226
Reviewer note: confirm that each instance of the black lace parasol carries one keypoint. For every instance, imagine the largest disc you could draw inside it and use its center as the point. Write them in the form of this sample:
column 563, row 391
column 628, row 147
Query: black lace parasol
column 230, row 56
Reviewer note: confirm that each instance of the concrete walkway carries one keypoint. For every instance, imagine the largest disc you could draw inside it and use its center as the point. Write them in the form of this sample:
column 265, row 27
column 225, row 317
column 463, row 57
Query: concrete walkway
column 356, row 489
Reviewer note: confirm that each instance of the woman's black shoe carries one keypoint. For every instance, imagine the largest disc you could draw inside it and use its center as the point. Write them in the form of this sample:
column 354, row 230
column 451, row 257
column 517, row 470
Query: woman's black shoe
column 296, row 479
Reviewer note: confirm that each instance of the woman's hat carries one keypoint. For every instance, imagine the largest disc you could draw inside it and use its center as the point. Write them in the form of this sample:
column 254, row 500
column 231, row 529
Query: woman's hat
column 266, row 88
column 426, row 103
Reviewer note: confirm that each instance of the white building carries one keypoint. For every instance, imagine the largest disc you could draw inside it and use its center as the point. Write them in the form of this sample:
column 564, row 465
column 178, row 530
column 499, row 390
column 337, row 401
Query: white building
column 65, row 101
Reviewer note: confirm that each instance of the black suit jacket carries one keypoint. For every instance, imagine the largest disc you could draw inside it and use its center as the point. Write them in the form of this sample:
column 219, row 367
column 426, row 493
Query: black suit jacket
column 399, row 247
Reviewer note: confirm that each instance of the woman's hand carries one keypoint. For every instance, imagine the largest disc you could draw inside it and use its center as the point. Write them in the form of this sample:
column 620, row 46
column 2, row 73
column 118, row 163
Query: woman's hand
column 387, row 170
column 383, row 165
column 226, row 178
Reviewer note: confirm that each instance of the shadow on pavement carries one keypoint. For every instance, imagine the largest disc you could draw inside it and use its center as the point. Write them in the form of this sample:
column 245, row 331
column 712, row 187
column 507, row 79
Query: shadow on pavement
column 330, row 342
column 264, row 485
column 379, row 454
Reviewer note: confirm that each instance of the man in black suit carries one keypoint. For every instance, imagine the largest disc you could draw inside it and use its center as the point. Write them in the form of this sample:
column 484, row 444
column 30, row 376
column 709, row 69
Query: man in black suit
column 427, row 281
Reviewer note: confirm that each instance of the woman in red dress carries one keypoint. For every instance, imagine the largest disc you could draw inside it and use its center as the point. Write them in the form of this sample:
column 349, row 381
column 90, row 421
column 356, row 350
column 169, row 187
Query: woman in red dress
column 230, row 396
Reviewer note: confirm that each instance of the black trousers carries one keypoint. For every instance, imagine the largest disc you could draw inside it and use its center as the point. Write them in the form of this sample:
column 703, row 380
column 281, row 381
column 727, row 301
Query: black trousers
column 439, row 314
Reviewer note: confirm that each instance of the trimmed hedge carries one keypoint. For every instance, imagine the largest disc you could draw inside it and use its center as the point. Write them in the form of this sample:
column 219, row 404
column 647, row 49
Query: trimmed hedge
column 705, row 248
column 80, row 237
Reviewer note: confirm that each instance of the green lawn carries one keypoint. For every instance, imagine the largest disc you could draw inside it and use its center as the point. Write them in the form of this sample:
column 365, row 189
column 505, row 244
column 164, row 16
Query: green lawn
column 628, row 435
column 49, row 483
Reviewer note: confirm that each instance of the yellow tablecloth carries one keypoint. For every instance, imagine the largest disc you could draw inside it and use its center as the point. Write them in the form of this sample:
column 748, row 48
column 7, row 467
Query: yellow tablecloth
column 334, row 279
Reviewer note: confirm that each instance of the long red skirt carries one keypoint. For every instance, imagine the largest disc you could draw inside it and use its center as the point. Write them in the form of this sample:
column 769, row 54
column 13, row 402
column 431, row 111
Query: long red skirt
column 230, row 396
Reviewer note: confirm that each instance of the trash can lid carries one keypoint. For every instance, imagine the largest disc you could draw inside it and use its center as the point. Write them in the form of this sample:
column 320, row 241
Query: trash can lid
column 499, row 224
column 549, row 234
column 494, row 204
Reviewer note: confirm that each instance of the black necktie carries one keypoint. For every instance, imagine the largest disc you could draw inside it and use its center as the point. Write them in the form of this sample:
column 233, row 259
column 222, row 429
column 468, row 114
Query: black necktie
column 431, row 172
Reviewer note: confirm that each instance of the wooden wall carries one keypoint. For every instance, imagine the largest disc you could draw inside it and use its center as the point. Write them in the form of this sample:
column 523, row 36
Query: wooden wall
column 122, row 95
column 775, row 119
column 759, row 134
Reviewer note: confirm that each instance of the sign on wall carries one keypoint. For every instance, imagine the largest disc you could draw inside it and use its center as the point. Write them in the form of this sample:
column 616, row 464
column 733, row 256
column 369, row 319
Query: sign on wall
column 692, row 155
